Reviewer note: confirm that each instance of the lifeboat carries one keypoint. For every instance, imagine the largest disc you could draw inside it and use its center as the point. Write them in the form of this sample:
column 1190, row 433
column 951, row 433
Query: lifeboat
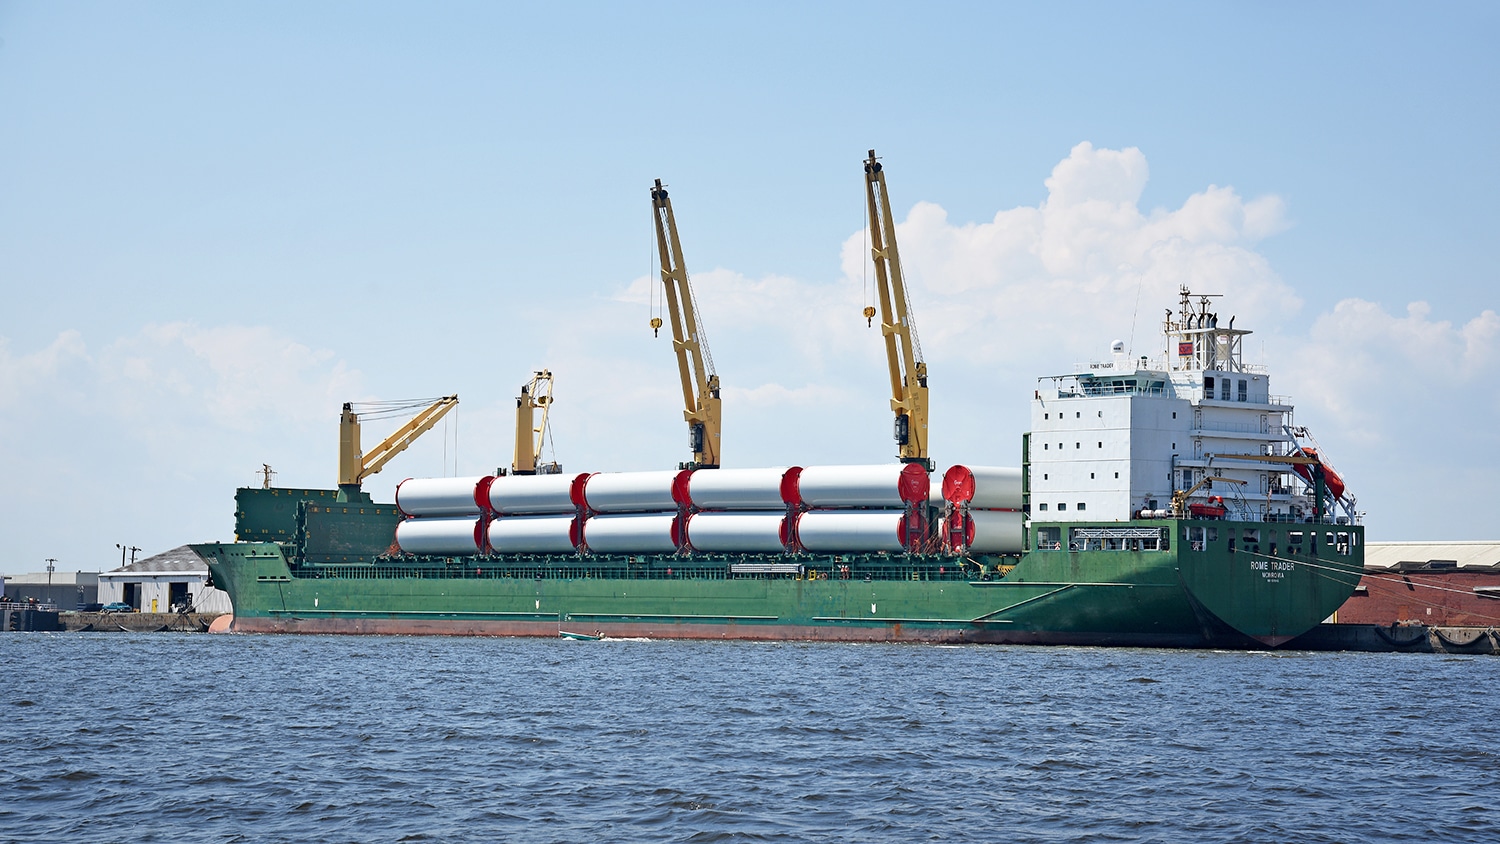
column 1331, row 479
column 1214, row 509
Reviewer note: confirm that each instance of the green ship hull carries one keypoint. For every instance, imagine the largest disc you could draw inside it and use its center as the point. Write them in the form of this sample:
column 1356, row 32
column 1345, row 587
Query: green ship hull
column 1177, row 594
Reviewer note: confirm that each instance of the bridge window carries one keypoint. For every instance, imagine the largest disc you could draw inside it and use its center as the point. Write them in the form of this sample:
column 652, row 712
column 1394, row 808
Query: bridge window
column 1244, row 392
column 1224, row 390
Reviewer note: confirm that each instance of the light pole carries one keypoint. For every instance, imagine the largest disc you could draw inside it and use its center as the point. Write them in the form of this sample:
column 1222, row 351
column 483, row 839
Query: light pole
column 50, row 568
column 123, row 548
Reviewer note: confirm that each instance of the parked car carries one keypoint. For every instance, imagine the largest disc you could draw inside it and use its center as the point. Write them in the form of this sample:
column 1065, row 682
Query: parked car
column 118, row 606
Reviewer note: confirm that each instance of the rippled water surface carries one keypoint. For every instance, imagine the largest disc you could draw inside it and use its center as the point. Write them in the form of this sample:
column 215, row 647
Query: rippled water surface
column 170, row 737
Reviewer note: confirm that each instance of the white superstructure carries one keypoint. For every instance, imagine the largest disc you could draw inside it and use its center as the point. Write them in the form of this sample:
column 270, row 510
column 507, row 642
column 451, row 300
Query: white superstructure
column 1120, row 437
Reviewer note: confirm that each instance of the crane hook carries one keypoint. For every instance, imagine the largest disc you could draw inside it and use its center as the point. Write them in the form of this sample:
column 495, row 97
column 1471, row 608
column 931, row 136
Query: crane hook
column 869, row 316
column 656, row 326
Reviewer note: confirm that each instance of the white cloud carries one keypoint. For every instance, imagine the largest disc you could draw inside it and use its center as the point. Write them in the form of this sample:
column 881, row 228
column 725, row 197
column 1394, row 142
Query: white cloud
column 997, row 303
column 1084, row 267
column 149, row 434
column 21, row 375
column 241, row 377
column 1416, row 374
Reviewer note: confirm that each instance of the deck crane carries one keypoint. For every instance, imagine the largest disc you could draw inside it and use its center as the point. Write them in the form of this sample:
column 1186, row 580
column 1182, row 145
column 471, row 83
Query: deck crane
column 700, row 386
column 903, row 352
column 355, row 465
column 536, row 395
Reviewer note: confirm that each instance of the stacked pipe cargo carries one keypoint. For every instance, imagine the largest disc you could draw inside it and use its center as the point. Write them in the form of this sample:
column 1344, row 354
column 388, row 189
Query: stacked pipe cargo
column 634, row 512
column 861, row 508
column 822, row 509
column 984, row 510
column 536, row 514
column 443, row 515
column 740, row 510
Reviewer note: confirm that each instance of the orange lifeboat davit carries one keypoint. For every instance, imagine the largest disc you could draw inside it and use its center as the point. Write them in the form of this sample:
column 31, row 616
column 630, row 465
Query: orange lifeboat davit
column 1331, row 479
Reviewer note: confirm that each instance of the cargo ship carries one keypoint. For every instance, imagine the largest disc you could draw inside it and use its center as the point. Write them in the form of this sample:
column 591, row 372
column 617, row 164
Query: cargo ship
column 1160, row 501
column 1167, row 502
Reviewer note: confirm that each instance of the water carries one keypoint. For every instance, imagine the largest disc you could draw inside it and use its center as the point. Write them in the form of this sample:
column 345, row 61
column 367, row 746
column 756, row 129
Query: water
column 161, row 737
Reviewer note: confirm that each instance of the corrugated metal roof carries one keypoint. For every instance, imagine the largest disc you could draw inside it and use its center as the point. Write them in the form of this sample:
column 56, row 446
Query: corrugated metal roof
column 181, row 558
column 1388, row 555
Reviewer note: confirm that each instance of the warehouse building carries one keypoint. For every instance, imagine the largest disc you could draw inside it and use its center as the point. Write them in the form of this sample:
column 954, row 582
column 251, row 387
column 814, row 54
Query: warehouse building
column 67, row 590
column 164, row 583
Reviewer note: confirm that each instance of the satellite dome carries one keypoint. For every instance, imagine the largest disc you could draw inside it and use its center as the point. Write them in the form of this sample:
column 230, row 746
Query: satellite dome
column 1118, row 347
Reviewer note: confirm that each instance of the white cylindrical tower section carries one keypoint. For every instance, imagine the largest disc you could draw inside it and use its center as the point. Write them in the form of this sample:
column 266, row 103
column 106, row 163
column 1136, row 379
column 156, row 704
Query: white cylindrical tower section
column 737, row 532
column 534, row 494
column 739, row 489
column 534, row 535
column 991, row 531
column 983, row 487
column 636, row 533
column 838, row 532
column 889, row 485
column 635, row 492
column 442, row 496
column 456, row 535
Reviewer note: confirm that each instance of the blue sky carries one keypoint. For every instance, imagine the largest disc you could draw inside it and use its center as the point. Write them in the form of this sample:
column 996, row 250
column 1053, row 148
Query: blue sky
column 220, row 221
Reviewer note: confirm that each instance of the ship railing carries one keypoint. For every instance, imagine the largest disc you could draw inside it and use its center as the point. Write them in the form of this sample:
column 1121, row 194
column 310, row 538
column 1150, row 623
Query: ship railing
column 1232, row 427
column 11, row 606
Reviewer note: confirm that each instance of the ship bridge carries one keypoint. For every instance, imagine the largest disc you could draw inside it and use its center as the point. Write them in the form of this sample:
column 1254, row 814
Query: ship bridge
column 1120, row 436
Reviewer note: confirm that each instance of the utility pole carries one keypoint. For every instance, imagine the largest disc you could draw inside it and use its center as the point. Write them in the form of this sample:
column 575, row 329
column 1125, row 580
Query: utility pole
column 50, row 568
column 123, row 548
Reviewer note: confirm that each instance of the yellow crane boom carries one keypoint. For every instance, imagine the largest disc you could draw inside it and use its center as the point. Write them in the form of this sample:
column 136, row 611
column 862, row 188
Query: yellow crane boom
column 535, row 395
column 355, row 465
column 700, row 386
column 902, row 350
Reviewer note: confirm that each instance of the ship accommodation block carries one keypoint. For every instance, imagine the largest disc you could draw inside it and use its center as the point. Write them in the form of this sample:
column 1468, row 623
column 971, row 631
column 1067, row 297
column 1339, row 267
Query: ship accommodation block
column 1115, row 440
